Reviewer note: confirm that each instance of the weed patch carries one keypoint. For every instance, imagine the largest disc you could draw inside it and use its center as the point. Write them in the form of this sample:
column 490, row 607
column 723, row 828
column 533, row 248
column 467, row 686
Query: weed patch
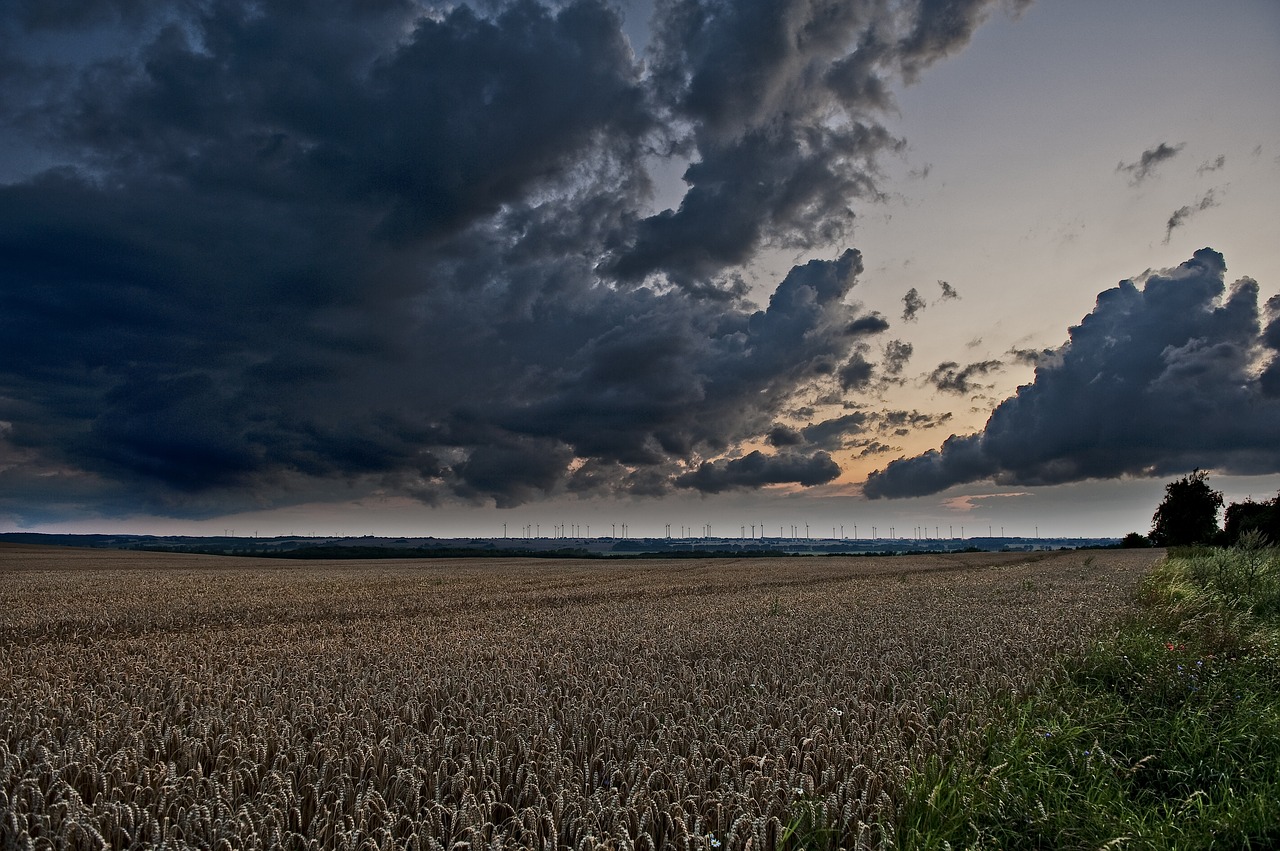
column 1166, row 735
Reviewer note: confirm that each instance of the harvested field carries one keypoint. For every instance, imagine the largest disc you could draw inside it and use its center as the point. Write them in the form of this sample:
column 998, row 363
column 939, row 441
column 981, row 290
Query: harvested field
column 212, row 702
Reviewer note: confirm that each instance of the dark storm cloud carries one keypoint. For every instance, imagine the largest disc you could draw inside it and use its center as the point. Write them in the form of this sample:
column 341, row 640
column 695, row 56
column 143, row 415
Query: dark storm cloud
column 323, row 248
column 865, row 326
column 1180, row 215
column 512, row 474
column 1143, row 167
column 912, row 304
column 784, row 435
column 1154, row 381
column 781, row 102
column 942, row 27
column 666, row 375
column 37, row 15
column 950, row 377
column 831, row 434
column 1270, row 378
column 1271, row 337
column 857, row 372
column 757, row 469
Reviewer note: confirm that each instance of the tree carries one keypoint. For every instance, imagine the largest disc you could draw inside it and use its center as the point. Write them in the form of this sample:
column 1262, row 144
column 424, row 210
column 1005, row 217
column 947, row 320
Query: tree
column 1247, row 516
column 1134, row 540
column 1189, row 513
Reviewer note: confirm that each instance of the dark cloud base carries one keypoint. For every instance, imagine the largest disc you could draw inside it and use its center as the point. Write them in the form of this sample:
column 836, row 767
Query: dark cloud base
column 1177, row 374
column 324, row 248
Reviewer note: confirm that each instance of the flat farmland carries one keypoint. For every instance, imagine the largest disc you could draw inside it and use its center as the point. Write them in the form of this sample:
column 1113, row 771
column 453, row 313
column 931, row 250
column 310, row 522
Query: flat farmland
column 213, row 702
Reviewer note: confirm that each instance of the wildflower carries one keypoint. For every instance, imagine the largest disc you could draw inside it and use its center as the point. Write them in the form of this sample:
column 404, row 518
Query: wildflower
column 837, row 710
column 713, row 842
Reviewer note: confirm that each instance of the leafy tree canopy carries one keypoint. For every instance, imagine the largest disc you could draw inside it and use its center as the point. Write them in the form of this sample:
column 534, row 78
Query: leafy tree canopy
column 1188, row 514
column 1244, row 517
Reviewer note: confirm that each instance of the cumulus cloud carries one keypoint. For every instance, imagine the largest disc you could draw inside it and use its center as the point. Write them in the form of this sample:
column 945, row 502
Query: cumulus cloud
column 288, row 252
column 901, row 423
column 1145, row 165
column 832, row 433
column 896, row 356
column 874, row 447
column 1158, row 379
column 784, row 435
column 1034, row 357
column 950, row 377
column 857, row 372
column 912, row 304
column 1270, row 378
column 757, row 469
column 1180, row 215
column 867, row 325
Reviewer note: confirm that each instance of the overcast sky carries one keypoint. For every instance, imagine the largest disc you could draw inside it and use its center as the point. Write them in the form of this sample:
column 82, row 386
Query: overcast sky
column 409, row 267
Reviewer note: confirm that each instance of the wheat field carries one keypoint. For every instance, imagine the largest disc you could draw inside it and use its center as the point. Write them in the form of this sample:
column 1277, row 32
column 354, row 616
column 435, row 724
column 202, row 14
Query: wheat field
column 185, row 701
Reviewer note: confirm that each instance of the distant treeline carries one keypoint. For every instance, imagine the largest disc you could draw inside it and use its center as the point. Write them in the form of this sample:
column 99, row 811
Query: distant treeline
column 359, row 552
column 364, row 552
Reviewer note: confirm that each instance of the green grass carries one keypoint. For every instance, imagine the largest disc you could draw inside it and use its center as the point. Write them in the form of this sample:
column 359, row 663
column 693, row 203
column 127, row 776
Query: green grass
column 1166, row 736
column 809, row 828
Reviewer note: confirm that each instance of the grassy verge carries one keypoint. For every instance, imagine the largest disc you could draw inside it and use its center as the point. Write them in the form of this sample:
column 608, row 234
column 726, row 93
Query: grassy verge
column 1167, row 736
